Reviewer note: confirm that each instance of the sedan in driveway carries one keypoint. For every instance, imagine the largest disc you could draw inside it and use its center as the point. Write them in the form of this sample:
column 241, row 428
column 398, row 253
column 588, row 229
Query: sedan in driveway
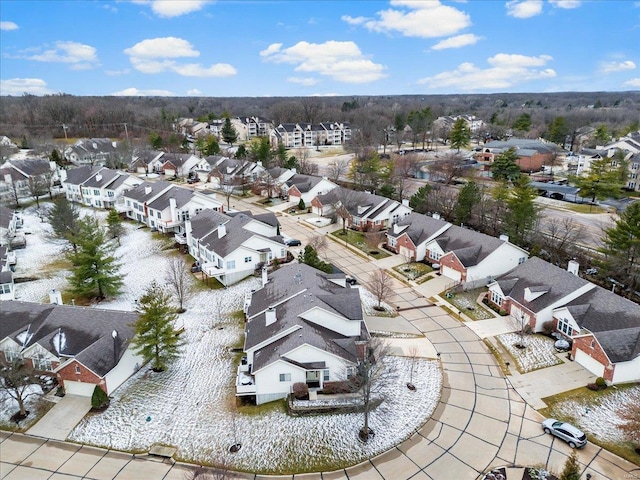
column 292, row 242
column 565, row 431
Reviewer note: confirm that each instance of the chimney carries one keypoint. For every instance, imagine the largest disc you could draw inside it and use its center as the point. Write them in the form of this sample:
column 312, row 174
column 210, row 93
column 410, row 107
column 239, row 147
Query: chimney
column 222, row 230
column 265, row 278
column 114, row 334
column 573, row 267
column 147, row 189
column 172, row 209
column 405, row 202
column 396, row 228
column 294, row 170
column 270, row 316
column 55, row 297
column 99, row 177
column 504, row 238
column 7, row 178
column 436, row 216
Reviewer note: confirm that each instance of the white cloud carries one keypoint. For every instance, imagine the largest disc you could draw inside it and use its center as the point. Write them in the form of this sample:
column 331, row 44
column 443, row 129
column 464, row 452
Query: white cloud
column 612, row 67
column 78, row 55
column 505, row 71
column 134, row 92
column 457, row 42
column 18, row 86
column 341, row 61
column 173, row 8
column 634, row 83
column 163, row 47
column 115, row 73
column 194, row 92
column 156, row 55
column 566, row 4
column 524, row 8
column 8, row 26
column 423, row 19
column 271, row 49
column 306, row 82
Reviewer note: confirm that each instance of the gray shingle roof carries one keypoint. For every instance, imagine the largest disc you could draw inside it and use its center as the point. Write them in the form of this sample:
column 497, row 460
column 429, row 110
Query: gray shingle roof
column 206, row 221
column 535, row 272
column 32, row 166
column 139, row 193
column 6, row 214
column 87, row 331
column 79, row 175
column 294, row 289
column 181, row 196
column 469, row 246
column 607, row 315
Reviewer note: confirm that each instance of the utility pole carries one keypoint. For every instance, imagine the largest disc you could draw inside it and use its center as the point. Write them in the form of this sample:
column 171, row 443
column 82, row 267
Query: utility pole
column 126, row 132
column 64, row 128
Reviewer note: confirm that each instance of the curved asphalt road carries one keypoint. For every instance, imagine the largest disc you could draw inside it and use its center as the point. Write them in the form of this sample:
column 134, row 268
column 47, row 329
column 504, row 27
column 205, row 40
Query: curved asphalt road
column 481, row 422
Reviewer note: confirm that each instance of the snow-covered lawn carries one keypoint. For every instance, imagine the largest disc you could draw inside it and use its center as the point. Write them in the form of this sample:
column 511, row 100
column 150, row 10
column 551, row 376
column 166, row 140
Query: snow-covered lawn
column 539, row 351
column 600, row 416
column 33, row 403
column 192, row 405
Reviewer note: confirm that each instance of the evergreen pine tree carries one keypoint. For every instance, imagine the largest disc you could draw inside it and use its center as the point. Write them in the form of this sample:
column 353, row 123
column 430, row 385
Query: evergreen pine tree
column 156, row 338
column 522, row 214
column 468, row 197
column 64, row 219
column 95, row 269
column 114, row 225
column 504, row 166
column 460, row 134
column 229, row 134
column 571, row 470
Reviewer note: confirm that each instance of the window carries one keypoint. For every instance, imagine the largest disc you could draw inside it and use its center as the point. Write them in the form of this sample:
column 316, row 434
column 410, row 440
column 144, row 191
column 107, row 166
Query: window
column 41, row 363
column 392, row 241
column 12, row 354
column 78, row 369
column 496, row 298
column 521, row 260
column 231, row 265
column 434, row 255
column 564, row 327
column 635, row 166
column 247, row 259
column 593, row 344
column 351, row 371
column 285, row 377
column 325, row 375
column 6, row 288
column 110, row 194
column 96, row 192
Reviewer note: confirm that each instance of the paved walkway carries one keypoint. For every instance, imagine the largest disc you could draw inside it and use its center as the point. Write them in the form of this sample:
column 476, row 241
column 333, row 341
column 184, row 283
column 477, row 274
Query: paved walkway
column 481, row 421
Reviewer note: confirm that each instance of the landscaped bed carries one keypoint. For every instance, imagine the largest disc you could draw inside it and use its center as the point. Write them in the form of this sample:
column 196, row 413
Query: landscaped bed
column 538, row 351
column 415, row 271
column 598, row 414
column 466, row 302
column 358, row 240
column 192, row 405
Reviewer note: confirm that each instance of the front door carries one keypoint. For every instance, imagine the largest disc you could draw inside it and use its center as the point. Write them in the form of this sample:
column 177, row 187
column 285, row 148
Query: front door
column 313, row 379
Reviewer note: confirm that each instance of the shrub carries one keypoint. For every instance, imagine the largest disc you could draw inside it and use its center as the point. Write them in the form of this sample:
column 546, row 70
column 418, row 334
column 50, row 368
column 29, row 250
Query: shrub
column 301, row 205
column 300, row 390
column 344, row 386
column 548, row 327
column 99, row 399
column 600, row 382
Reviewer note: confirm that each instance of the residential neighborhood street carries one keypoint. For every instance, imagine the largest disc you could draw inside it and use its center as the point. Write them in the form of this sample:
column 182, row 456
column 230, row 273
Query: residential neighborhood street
column 483, row 420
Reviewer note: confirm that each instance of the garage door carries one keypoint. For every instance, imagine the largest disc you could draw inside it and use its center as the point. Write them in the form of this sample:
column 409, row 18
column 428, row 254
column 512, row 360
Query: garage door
column 79, row 388
column 451, row 273
column 406, row 252
column 589, row 363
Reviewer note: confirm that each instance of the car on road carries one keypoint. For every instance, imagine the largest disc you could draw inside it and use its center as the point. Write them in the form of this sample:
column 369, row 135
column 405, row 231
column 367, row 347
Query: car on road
column 565, row 431
column 292, row 242
column 351, row 281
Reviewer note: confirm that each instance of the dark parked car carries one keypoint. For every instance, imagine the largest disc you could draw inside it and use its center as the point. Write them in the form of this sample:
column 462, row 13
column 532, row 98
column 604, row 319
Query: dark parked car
column 292, row 242
column 565, row 431
column 351, row 281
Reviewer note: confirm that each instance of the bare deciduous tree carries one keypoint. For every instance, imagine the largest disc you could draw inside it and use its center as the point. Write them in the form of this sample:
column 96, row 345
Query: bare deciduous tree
column 559, row 237
column 373, row 373
column 319, row 243
column 17, row 380
column 178, row 278
column 448, row 167
column 373, row 240
column 338, row 168
column 381, row 285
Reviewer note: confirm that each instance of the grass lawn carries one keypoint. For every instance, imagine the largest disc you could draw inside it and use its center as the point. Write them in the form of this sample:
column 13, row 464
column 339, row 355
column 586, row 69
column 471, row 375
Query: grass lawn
column 358, row 240
column 539, row 351
column 584, row 208
column 466, row 303
column 414, row 271
column 596, row 413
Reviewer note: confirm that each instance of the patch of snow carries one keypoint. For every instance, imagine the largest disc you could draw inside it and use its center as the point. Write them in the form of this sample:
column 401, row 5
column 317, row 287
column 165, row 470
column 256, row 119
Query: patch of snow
column 539, row 351
column 59, row 341
column 369, row 301
column 9, row 406
column 192, row 404
column 601, row 417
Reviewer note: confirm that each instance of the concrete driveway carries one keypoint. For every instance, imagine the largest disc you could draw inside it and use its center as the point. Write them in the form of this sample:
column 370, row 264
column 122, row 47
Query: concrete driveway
column 62, row 418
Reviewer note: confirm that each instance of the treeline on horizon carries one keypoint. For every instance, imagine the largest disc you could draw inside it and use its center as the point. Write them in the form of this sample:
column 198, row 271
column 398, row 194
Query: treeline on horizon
column 62, row 115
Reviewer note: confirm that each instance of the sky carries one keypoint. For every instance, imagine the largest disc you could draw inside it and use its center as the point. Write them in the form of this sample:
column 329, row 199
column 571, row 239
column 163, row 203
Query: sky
column 258, row 48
